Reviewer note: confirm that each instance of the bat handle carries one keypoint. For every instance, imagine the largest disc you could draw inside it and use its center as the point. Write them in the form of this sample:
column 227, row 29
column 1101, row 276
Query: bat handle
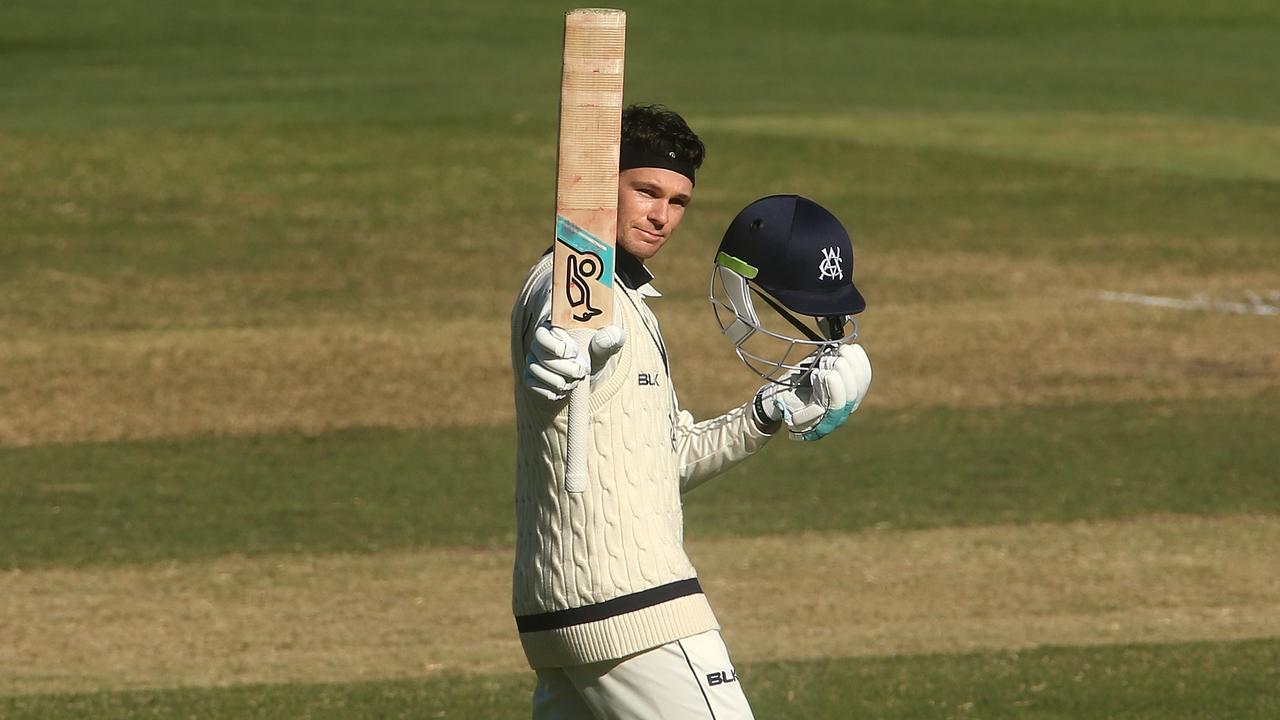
column 579, row 439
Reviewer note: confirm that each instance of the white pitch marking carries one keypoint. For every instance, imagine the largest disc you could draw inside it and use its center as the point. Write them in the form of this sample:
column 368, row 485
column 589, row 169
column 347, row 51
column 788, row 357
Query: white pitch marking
column 1255, row 305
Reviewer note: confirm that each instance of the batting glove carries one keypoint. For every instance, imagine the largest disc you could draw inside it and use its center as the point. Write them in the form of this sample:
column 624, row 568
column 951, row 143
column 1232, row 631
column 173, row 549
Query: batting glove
column 826, row 398
column 554, row 364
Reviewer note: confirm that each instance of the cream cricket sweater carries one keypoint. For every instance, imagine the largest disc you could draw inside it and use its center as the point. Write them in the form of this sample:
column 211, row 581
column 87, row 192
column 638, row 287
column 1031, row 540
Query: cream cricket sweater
column 602, row 574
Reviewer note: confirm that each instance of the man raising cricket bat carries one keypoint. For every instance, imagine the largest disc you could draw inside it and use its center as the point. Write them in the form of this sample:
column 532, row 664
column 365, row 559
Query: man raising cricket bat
column 609, row 609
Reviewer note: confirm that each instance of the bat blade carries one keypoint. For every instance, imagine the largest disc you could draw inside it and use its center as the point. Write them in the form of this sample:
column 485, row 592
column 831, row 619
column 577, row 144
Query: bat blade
column 587, row 199
column 587, row 168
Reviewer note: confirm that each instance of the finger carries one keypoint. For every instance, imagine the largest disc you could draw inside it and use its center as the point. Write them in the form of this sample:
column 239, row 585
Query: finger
column 538, row 378
column 800, row 414
column 789, row 403
column 857, row 358
column 861, row 367
column 568, row 368
column 834, row 391
column 538, row 387
column 546, row 394
column 805, row 417
column 553, row 381
column 553, row 342
column 824, row 388
column 605, row 344
column 843, row 370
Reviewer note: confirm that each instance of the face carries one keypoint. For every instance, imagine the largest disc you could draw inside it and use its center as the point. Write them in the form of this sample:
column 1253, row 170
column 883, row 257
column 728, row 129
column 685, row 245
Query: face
column 651, row 203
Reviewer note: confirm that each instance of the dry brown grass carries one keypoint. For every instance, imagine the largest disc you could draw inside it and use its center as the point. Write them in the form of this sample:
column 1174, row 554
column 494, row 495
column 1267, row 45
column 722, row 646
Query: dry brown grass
column 968, row 330
column 344, row 617
column 114, row 386
column 944, row 329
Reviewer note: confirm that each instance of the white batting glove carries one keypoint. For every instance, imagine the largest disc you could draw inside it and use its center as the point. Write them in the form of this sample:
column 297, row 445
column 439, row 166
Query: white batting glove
column 555, row 365
column 855, row 371
column 606, row 343
column 823, row 402
column 804, row 407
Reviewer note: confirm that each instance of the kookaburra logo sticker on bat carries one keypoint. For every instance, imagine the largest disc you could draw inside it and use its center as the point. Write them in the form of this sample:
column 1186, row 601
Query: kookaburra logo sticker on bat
column 581, row 270
column 591, row 262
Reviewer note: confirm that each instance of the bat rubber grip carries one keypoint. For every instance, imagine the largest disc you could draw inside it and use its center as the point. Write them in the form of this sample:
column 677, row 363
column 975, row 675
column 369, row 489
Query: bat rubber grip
column 579, row 439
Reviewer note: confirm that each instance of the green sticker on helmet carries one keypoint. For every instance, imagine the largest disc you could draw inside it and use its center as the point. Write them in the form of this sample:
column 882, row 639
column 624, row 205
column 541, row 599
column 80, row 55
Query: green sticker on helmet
column 741, row 267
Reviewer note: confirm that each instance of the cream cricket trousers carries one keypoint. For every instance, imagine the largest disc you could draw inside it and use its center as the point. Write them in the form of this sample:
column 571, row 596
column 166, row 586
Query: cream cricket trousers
column 689, row 679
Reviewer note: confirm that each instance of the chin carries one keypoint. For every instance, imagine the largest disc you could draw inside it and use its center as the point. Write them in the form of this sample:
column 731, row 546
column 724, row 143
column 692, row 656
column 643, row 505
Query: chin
column 641, row 249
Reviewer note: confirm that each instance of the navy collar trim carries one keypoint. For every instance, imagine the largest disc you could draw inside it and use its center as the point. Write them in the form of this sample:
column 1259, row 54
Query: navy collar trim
column 629, row 269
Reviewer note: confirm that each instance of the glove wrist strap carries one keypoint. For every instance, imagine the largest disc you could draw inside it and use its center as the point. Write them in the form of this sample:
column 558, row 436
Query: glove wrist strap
column 766, row 424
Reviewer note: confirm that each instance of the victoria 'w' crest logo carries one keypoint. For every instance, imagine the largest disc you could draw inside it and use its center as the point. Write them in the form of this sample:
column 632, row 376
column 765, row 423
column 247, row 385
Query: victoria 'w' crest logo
column 829, row 268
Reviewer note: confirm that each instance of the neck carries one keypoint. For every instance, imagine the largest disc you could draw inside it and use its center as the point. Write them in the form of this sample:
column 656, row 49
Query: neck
column 631, row 270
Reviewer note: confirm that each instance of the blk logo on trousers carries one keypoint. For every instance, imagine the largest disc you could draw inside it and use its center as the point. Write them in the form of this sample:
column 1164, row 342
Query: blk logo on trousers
column 723, row 677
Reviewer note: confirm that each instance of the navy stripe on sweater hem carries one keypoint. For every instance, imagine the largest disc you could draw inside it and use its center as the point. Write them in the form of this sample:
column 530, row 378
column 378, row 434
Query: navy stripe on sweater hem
column 559, row 619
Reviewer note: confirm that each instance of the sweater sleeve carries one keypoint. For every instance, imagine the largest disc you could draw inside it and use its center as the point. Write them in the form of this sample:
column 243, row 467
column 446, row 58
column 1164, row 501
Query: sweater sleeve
column 533, row 306
column 710, row 447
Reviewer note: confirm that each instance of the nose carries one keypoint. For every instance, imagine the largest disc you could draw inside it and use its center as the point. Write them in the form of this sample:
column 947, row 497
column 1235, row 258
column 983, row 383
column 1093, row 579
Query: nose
column 658, row 213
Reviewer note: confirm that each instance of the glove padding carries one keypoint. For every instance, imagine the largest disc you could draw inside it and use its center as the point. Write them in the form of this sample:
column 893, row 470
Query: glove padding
column 554, row 365
column 825, row 400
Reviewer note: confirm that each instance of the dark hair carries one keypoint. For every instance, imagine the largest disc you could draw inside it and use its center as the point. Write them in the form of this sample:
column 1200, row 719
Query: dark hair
column 660, row 131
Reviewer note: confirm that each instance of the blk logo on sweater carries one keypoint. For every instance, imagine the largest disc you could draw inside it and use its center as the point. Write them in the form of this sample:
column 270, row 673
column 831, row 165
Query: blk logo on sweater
column 649, row 379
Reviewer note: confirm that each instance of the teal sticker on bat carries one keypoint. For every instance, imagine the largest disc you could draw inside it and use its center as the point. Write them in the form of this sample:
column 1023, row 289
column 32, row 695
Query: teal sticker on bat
column 586, row 243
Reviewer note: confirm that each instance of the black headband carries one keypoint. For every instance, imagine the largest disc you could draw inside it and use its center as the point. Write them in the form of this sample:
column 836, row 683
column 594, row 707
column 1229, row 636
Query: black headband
column 635, row 156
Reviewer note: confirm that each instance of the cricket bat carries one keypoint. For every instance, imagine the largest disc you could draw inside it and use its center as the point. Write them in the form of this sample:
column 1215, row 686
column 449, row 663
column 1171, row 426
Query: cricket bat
column 587, row 200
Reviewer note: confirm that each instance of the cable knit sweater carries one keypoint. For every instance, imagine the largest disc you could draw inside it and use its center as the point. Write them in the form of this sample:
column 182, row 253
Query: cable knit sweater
column 602, row 574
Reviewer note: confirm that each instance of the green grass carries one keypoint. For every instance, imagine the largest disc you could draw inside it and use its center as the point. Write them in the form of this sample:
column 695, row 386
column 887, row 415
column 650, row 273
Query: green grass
column 285, row 226
column 1191, row 146
column 1191, row 681
column 369, row 490
column 353, row 491
column 145, row 63
column 1235, row 680
column 177, row 166
column 252, row 165
column 1052, row 464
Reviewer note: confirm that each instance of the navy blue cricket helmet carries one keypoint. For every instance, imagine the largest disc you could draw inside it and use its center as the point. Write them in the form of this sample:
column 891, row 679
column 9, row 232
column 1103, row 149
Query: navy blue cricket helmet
column 793, row 255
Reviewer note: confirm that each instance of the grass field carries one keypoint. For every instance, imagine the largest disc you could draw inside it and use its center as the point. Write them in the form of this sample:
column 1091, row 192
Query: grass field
column 255, row 419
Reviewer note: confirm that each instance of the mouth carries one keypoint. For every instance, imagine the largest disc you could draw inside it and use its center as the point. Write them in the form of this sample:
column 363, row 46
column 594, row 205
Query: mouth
column 649, row 235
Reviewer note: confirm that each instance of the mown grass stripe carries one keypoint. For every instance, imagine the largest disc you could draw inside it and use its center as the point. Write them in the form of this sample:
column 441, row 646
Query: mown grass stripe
column 1190, row 681
column 403, row 614
column 370, row 490
column 1197, row 147
column 990, row 349
column 221, row 64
